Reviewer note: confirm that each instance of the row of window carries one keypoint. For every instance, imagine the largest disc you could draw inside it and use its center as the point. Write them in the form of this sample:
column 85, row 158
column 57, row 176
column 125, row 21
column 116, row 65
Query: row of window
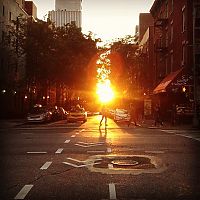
column 165, row 13
column 4, row 13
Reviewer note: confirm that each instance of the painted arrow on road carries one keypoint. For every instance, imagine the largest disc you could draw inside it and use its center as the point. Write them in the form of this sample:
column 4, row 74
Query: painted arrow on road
column 87, row 162
column 87, row 145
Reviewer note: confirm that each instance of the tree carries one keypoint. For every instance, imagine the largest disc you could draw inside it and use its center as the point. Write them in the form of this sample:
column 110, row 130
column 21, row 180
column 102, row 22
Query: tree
column 58, row 56
column 124, row 64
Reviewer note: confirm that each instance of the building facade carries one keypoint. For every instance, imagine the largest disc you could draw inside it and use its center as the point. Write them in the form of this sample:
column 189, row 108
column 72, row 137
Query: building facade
column 9, row 65
column 145, row 20
column 66, row 12
column 12, row 64
column 31, row 9
column 176, row 52
column 74, row 5
column 63, row 17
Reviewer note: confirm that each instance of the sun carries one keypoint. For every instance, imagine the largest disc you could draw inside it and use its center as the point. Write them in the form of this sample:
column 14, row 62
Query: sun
column 104, row 90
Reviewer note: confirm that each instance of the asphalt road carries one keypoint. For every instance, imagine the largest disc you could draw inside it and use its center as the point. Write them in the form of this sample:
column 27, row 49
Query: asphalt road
column 80, row 161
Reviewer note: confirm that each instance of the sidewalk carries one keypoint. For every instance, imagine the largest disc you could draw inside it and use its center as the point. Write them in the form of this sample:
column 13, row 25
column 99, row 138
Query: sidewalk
column 150, row 124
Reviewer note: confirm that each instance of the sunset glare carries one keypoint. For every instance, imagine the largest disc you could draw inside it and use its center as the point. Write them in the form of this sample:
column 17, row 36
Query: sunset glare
column 104, row 90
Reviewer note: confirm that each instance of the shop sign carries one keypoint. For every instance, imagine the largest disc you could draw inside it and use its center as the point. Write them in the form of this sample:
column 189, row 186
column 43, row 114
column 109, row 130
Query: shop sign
column 184, row 80
column 147, row 107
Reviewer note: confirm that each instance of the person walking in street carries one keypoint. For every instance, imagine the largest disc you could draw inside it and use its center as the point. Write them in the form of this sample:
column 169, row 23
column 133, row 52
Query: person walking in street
column 133, row 115
column 157, row 115
column 104, row 113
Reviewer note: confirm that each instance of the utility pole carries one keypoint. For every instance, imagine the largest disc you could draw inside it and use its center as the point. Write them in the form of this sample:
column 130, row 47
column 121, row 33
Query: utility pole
column 195, row 118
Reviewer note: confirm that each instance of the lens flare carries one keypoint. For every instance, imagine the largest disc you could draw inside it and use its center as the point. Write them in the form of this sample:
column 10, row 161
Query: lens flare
column 104, row 90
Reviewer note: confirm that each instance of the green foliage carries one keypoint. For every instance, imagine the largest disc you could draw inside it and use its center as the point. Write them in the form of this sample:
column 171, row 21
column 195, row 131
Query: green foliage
column 58, row 55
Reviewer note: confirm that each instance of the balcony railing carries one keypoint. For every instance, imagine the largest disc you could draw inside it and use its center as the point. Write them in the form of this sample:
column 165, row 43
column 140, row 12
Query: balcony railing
column 161, row 22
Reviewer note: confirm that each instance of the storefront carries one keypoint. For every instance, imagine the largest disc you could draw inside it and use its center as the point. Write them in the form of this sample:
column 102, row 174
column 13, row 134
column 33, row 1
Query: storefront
column 174, row 94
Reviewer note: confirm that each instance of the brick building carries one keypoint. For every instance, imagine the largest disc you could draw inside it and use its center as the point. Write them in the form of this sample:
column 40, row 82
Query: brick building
column 145, row 20
column 31, row 9
column 176, row 56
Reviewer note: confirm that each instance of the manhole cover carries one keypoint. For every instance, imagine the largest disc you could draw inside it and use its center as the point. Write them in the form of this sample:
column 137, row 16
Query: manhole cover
column 125, row 162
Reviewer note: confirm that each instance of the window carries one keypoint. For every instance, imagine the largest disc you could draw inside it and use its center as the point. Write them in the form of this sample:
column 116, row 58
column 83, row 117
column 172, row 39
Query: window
column 167, row 39
column 171, row 33
column 2, row 36
column 183, row 55
column 183, row 19
column 197, row 20
column 3, row 11
column 171, row 61
column 166, row 9
column 172, row 5
column 10, row 16
column 166, row 65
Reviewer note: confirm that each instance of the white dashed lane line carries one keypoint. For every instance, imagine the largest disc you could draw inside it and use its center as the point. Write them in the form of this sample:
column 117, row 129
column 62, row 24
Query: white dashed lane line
column 73, row 136
column 67, row 141
column 59, row 150
column 109, row 150
column 23, row 192
column 46, row 165
column 36, row 152
column 112, row 191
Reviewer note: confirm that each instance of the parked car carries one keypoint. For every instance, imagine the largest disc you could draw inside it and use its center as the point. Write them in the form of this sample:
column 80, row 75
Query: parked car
column 59, row 113
column 77, row 114
column 39, row 113
column 121, row 115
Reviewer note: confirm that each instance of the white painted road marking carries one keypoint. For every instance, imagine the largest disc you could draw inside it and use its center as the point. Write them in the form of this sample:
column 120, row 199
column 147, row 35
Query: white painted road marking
column 154, row 152
column 112, row 191
column 109, row 150
column 95, row 151
column 82, row 161
column 86, row 146
column 110, row 166
column 36, row 152
column 67, row 141
column 190, row 137
column 23, row 192
column 78, row 166
column 46, row 165
column 73, row 136
column 59, row 151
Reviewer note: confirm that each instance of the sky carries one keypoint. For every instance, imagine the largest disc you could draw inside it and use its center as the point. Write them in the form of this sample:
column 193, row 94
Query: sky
column 107, row 19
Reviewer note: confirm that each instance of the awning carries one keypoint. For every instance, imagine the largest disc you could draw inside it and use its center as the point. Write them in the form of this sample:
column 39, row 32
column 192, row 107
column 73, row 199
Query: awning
column 166, row 82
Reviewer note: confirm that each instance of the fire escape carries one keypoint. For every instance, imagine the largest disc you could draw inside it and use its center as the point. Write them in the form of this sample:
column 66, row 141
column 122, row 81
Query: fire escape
column 161, row 40
column 160, row 47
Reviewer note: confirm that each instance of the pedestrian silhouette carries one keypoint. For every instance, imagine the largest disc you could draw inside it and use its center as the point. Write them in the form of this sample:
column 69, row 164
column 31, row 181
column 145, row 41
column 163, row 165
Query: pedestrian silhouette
column 104, row 113
column 133, row 115
column 157, row 115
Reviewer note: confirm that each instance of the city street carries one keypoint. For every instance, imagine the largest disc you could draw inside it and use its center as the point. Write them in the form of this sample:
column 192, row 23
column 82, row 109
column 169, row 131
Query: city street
column 61, row 160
